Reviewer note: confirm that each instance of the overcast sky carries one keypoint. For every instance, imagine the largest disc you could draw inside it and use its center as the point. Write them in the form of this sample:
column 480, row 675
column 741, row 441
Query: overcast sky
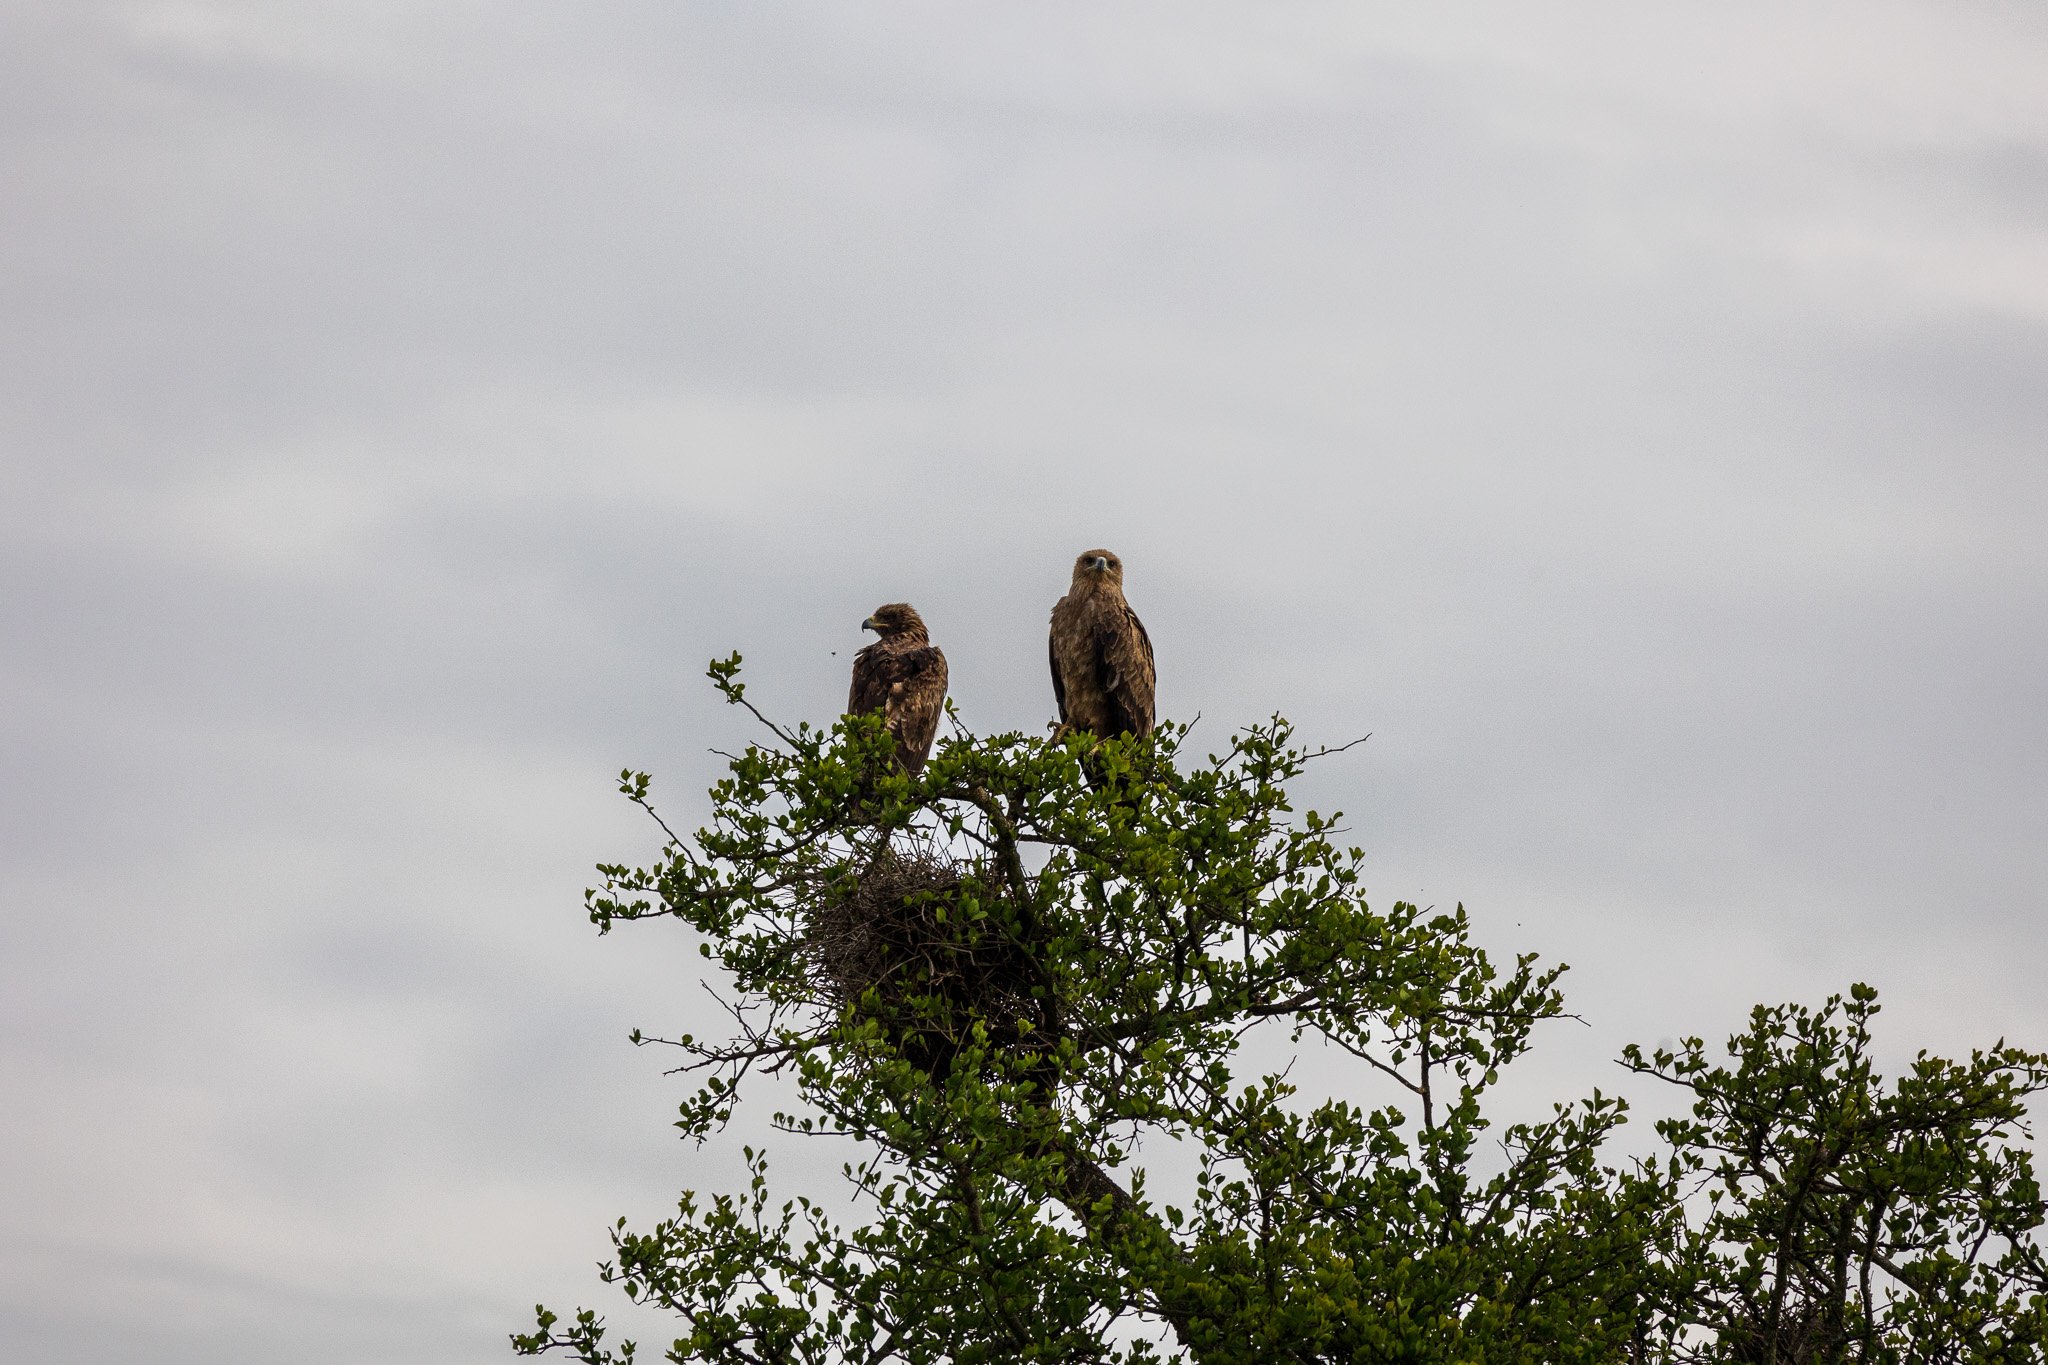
column 1632, row 415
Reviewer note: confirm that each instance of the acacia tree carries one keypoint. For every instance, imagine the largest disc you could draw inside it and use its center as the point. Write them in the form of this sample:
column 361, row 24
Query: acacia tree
column 1011, row 980
column 1848, row 1219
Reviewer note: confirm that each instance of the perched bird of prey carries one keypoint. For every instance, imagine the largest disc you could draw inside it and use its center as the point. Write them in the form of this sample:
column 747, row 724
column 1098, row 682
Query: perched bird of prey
column 1101, row 657
column 903, row 676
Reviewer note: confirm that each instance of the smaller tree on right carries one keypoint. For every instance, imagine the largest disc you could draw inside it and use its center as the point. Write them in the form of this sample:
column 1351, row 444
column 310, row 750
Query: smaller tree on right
column 1841, row 1218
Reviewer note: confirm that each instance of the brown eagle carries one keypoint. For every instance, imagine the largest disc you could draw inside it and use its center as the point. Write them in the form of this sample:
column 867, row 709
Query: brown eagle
column 1102, row 673
column 903, row 676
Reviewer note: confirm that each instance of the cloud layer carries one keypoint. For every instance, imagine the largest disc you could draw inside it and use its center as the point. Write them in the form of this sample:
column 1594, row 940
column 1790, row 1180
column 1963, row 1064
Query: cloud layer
column 1633, row 419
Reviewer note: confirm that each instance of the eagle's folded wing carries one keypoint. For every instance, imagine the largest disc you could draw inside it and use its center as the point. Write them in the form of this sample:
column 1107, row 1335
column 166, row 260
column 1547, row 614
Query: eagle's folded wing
column 1128, row 679
column 916, row 702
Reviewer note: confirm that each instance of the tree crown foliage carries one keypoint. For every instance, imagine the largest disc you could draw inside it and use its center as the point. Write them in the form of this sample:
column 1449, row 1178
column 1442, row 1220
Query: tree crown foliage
column 1009, row 977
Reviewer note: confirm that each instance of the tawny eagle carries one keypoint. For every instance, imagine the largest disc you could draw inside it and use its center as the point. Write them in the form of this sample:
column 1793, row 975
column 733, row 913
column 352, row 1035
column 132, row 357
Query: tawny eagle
column 902, row 675
column 1102, row 672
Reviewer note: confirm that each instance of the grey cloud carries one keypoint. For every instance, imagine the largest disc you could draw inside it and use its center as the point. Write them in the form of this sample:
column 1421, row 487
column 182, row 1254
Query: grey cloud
column 1630, row 418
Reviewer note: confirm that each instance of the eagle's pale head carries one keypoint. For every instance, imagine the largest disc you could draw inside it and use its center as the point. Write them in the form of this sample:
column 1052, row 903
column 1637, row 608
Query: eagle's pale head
column 897, row 618
column 1099, row 566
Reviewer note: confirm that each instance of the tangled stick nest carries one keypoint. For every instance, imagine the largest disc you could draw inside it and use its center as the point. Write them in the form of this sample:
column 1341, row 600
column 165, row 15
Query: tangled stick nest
column 898, row 938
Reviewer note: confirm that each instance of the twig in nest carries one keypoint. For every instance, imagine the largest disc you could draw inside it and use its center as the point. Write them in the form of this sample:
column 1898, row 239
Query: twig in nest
column 919, row 938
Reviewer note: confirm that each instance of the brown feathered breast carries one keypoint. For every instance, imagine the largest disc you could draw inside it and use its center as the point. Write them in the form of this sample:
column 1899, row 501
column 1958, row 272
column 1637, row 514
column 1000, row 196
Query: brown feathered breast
column 1102, row 670
column 902, row 675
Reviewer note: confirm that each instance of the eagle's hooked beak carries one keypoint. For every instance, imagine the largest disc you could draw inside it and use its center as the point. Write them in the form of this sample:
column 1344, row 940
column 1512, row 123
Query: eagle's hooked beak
column 1100, row 562
column 868, row 623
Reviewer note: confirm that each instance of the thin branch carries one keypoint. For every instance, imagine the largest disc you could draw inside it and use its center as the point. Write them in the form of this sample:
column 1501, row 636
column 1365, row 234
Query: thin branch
column 780, row 733
column 643, row 803
column 1374, row 1062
